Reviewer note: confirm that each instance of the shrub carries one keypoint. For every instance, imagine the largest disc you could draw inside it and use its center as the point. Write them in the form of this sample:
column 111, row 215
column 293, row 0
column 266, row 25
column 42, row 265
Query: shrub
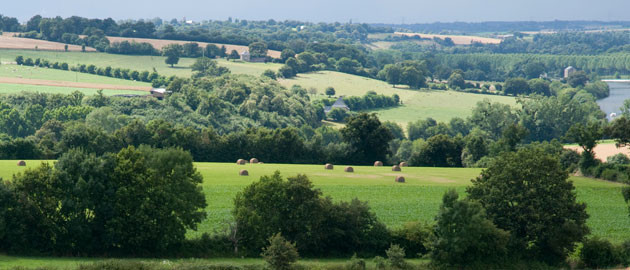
column 380, row 263
column 396, row 257
column 623, row 253
column 618, row 159
column 356, row 263
column 414, row 237
column 280, row 254
column 598, row 253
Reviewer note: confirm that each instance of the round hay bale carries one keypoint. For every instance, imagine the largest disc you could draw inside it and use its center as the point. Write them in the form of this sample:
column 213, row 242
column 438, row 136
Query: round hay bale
column 378, row 164
column 241, row 161
column 348, row 169
column 400, row 179
column 395, row 168
column 329, row 166
column 243, row 173
column 253, row 161
column 403, row 164
column 261, row 163
column 21, row 163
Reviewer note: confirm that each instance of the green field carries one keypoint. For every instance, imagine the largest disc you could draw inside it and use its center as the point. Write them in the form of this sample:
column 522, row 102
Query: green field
column 6, row 88
column 139, row 63
column 417, row 104
column 8, row 262
column 416, row 200
column 15, row 71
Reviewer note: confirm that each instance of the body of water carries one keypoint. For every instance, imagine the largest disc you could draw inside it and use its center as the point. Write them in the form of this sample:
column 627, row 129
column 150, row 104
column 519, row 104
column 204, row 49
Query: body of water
column 619, row 91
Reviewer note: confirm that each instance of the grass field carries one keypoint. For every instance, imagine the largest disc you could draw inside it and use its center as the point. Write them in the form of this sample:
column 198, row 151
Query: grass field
column 139, row 63
column 8, row 262
column 15, row 71
column 417, row 104
column 416, row 200
column 6, row 88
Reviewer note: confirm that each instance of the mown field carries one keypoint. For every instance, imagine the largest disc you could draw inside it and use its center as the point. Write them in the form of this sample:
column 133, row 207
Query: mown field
column 394, row 203
column 139, row 63
column 417, row 104
column 26, row 72
column 9, row 262
column 7, row 88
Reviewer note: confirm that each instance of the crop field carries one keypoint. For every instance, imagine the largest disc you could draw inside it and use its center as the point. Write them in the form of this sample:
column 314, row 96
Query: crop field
column 160, row 43
column 604, row 149
column 8, row 41
column 457, row 39
column 139, row 63
column 417, row 104
column 394, row 203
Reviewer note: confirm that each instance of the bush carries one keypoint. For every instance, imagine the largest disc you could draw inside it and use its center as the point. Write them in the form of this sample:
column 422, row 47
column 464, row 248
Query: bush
column 623, row 253
column 618, row 159
column 280, row 254
column 396, row 257
column 414, row 237
column 598, row 253
column 356, row 264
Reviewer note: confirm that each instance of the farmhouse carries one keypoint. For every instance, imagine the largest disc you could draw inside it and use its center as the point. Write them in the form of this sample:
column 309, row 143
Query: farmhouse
column 339, row 104
column 568, row 71
column 245, row 56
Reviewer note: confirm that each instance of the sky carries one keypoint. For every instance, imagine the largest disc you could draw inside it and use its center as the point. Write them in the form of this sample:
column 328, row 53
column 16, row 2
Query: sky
column 364, row 11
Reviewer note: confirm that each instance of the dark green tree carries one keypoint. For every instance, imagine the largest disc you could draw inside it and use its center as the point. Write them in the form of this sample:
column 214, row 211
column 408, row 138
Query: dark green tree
column 440, row 151
column 456, row 81
column 527, row 193
column 516, row 86
column 330, row 91
column 368, row 137
column 578, row 78
column 258, row 49
column 233, row 55
column 586, row 136
column 465, row 237
column 172, row 52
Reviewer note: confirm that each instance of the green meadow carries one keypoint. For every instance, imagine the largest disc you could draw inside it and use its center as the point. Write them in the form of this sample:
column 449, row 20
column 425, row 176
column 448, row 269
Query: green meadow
column 139, row 63
column 394, row 203
column 25, row 72
column 416, row 104
column 7, row 88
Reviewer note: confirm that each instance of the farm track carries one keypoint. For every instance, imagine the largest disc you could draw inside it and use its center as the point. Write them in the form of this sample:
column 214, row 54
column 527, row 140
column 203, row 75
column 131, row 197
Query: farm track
column 72, row 84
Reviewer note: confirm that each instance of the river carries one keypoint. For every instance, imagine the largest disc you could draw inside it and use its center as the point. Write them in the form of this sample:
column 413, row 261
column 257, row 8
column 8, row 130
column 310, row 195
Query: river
column 619, row 91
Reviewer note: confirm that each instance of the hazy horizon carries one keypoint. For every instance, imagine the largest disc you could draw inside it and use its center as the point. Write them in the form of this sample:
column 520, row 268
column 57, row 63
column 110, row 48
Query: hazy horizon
column 368, row 11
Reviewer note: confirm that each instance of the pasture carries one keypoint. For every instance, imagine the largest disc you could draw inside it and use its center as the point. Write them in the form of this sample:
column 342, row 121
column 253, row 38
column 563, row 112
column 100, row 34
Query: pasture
column 394, row 203
column 8, row 88
column 133, row 62
column 417, row 104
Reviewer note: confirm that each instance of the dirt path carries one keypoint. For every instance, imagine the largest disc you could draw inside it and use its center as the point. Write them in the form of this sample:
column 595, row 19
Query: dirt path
column 72, row 84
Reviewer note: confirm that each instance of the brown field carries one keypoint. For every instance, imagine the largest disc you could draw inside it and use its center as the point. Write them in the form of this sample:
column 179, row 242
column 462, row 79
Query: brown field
column 160, row 43
column 9, row 41
column 604, row 150
column 72, row 84
column 458, row 40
